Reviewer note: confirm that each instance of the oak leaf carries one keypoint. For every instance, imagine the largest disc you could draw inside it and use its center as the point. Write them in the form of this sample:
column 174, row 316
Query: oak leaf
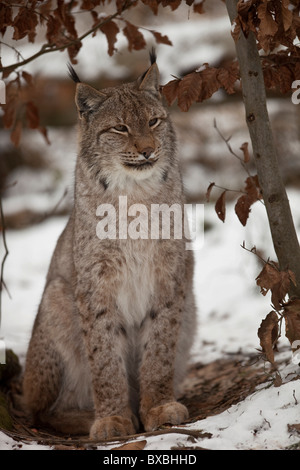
column 268, row 335
column 278, row 282
column 228, row 76
column 110, row 30
column 243, row 208
column 245, row 150
column 53, row 29
column 268, row 25
column 292, row 321
column 24, row 24
column 160, row 39
column 220, row 206
column 189, row 90
column 210, row 82
column 134, row 37
column 198, row 7
column 170, row 91
column 32, row 115
column 5, row 17
column 153, row 4
column 244, row 203
column 173, row 4
column 287, row 15
column 208, row 191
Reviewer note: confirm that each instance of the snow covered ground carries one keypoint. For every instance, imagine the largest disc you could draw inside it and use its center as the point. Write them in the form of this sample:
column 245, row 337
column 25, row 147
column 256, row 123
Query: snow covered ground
column 230, row 306
column 230, row 311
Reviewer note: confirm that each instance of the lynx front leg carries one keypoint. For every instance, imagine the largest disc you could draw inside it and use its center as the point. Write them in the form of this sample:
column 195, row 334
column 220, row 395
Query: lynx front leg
column 105, row 349
column 158, row 405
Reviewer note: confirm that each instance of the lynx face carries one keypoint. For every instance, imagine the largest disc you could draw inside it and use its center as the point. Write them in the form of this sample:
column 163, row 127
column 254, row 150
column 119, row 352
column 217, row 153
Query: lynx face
column 125, row 131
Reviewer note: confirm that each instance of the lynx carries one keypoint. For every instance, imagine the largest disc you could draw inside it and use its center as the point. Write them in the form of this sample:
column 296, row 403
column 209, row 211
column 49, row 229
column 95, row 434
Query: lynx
column 113, row 332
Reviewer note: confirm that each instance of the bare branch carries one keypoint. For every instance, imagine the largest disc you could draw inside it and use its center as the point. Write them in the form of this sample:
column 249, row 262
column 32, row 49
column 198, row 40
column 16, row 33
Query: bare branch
column 46, row 48
column 2, row 283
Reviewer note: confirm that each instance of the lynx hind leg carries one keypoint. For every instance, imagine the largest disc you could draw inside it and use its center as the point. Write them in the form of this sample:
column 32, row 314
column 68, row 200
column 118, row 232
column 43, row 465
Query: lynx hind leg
column 42, row 377
column 47, row 361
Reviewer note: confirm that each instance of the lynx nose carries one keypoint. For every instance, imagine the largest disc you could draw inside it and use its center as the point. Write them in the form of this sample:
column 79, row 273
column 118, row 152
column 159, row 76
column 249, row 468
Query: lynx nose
column 146, row 152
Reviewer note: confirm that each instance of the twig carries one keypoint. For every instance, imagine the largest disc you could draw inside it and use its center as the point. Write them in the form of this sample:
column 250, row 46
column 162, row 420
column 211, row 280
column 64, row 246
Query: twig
column 86, row 442
column 253, row 250
column 46, row 48
column 294, row 395
column 235, row 155
column 230, row 190
column 241, row 160
column 2, row 283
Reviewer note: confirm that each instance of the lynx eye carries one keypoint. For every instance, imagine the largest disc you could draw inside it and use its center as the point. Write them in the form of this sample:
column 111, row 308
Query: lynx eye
column 153, row 122
column 121, row 128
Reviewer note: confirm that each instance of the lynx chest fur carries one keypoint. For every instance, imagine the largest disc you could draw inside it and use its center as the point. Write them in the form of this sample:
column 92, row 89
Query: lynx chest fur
column 114, row 328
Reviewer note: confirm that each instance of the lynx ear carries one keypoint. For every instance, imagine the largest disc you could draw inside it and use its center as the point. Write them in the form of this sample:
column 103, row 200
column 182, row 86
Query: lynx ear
column 149, row 81
column 88, row 99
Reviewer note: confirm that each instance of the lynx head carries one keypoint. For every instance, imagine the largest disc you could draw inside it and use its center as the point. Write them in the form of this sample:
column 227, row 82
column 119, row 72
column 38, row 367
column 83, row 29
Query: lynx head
column 125, row 131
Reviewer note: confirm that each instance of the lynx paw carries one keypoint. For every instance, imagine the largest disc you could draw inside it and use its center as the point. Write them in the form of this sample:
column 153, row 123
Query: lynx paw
column 172, row 413
column 112, row 426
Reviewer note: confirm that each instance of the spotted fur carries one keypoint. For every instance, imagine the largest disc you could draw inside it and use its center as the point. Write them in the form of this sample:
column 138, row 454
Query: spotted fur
column 112, row 335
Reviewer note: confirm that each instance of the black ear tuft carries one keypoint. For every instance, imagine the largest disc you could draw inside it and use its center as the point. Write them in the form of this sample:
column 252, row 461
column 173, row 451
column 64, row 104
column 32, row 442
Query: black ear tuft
column 73, row 74
column 152, row 55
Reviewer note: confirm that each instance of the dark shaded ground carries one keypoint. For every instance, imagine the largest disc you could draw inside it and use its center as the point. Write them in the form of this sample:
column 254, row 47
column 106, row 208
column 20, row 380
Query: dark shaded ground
column 210, row 389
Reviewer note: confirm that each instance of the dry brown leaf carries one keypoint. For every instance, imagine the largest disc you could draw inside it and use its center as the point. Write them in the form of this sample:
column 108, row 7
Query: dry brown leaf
column 207, row 196
column 268, row 25
column 243, row 208
column 153, row 4
column 160, row 39
column 210, row 82
column 24, row 24
column 189, row 90
column 173, row 4
column 32, row 115
column 268, row 335
column 278, row 282
column 170, row 91
column 220, row 206
column 110, row 30
column 228, row 76
column 134, row 37
column 245, row 150
column 53, row 29
column 267, row 278
column 287, row 15
column 253, row 194
column 135, row 445
column 198, row 7
column 6, row 15
column 292, row 320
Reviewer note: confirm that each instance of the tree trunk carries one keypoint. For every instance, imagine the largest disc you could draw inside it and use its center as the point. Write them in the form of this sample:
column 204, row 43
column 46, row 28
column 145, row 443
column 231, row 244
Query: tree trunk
column 281, row 223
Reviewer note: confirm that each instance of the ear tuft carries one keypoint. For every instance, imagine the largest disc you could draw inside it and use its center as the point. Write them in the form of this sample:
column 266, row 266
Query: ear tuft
column 152, row 55
column 73, row 74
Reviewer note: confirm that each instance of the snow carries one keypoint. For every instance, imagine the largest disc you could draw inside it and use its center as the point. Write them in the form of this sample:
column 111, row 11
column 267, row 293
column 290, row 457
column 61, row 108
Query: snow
column 230, row 306
column 230, row 311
